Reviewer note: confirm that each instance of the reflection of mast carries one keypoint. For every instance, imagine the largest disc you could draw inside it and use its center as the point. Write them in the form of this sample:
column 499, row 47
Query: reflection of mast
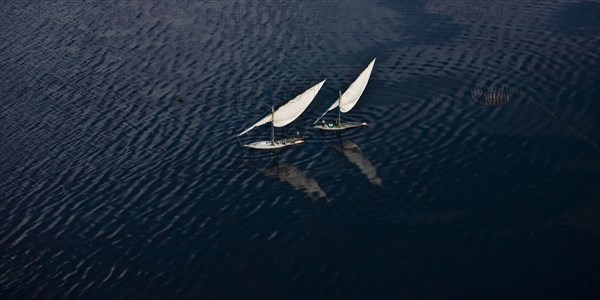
column 295, row 177
column 353, row 153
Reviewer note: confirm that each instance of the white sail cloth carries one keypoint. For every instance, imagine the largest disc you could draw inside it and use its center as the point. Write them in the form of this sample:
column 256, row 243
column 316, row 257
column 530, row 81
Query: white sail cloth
column 290, row 111
column 350, row 97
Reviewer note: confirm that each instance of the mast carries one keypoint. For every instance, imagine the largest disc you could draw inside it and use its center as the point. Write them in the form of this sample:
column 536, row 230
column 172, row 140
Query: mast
column 352, row 94
column 272, row 125
column 340, row 108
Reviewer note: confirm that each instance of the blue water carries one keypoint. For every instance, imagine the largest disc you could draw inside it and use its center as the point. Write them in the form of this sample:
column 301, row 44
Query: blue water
column 478, row 177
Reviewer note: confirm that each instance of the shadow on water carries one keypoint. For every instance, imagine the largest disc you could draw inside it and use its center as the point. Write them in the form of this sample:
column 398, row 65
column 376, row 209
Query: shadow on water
column 354, row 155
column 292, row 175
column 119, row 178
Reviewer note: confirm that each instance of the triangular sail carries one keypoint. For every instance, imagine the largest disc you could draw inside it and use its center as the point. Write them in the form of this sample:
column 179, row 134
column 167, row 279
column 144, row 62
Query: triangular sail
column 290, row 111
column 353, row 93
column 351, row 96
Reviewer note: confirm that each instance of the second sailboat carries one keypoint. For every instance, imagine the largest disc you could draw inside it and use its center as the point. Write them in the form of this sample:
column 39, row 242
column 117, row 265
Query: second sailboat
column 346, row 102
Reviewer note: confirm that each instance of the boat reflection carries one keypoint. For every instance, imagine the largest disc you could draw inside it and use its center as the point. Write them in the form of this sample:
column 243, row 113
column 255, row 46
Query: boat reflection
column 353, row 153
column 295, row 177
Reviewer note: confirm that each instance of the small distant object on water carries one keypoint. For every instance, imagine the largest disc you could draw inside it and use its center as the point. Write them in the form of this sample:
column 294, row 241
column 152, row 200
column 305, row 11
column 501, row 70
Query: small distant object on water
column 178, row 99
column 492, row 97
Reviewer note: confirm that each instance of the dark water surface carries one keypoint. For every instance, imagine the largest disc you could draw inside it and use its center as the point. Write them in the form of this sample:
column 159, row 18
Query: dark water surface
column 112, row 189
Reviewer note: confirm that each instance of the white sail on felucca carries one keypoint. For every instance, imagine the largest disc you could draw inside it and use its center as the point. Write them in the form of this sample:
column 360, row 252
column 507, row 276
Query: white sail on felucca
column 283, row 116
column 350, row 97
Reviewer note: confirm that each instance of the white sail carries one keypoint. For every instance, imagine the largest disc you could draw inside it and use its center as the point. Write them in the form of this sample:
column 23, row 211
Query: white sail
column 353, row 93
column 351, row 96
column 290, row 111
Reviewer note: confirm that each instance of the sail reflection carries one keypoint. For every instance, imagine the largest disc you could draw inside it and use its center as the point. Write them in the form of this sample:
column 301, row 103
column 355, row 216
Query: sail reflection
column 353, row 153
column 295, row 177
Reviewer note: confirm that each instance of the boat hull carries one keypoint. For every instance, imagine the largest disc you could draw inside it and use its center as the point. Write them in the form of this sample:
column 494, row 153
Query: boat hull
column 340, row 127
column 278, row 144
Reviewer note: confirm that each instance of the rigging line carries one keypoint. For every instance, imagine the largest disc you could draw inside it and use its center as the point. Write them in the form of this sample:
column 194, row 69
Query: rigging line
column 552, row 114
column 261, row 116
column 321, row 117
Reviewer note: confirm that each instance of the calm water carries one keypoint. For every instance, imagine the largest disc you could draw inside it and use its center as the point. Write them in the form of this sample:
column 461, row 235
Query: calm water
column 111, row 189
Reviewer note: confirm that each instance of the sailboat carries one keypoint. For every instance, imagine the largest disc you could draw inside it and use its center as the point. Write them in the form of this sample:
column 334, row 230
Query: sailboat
column 346, row 102
column 281, row 117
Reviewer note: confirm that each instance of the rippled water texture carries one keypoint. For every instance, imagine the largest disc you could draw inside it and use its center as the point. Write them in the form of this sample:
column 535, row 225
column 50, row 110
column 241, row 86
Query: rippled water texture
column 477, row 179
